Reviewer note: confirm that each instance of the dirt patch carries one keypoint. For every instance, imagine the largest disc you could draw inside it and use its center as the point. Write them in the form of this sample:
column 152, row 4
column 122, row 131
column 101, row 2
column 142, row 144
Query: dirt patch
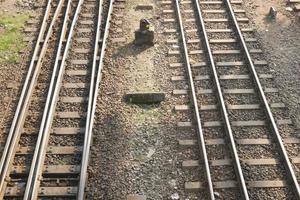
column 280, row 41
column 141, row 66
column 9, row 7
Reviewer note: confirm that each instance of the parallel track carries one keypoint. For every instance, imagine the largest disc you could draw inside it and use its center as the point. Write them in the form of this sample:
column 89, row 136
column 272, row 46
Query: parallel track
column 47, row 149
column 242, row 152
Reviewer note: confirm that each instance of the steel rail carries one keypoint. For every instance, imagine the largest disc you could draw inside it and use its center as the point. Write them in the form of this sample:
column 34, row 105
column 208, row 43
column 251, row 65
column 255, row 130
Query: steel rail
column 92, row 104
column 265, row 102
column 82, row 178
column 26, row 93
column 236, row 160
column 41, row 153
column 196, row 107
column 36, row 166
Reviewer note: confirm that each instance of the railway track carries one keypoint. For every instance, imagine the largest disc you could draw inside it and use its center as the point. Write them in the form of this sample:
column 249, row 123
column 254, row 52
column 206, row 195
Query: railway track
column 246, row 148
column 47, row 148
column 10, row 92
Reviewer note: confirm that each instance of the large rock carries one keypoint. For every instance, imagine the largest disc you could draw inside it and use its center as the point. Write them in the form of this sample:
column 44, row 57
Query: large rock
column 148, row 97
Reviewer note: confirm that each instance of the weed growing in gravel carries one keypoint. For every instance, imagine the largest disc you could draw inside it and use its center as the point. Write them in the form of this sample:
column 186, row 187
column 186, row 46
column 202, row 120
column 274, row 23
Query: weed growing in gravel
column 11, row 39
